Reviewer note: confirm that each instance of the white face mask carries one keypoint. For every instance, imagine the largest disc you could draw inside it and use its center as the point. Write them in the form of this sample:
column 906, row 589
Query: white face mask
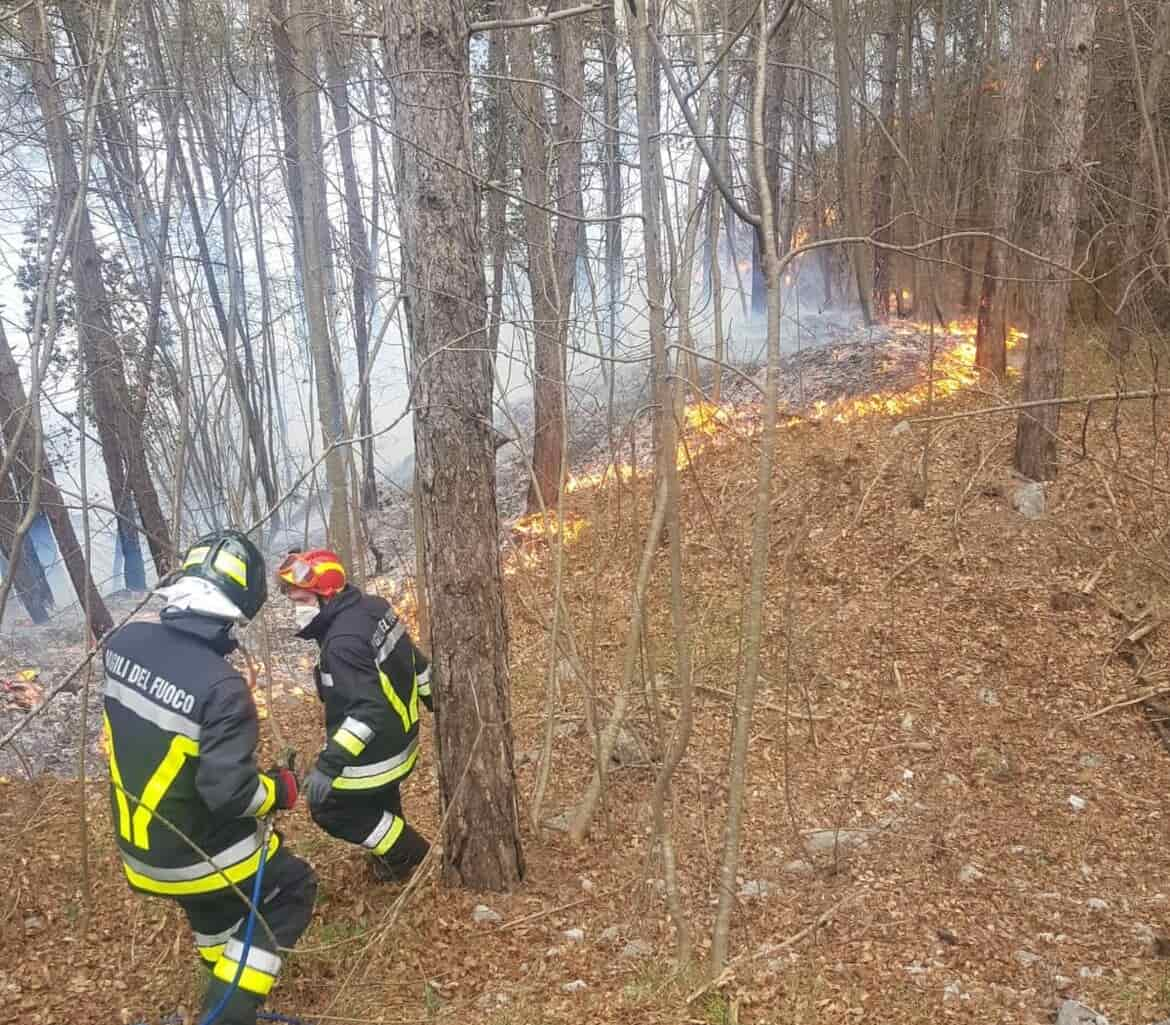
column 304, row 614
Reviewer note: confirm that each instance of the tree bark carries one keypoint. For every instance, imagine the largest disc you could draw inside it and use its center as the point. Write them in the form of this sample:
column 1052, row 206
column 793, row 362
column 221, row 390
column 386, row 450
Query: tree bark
column 315, row 274
column 1144, row 180
column 883, row 186
column 427, row 64
column 1036, row 455
column 123, row 449
column 991, row 329
column 337, row 75
column 847, row 157
column 13, row 398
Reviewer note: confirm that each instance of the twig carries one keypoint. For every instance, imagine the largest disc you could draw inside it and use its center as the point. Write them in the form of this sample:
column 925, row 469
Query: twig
column 541, row 914
column 536, row 20
column 771, row 951
column 1119, row 396
column 1125, row 704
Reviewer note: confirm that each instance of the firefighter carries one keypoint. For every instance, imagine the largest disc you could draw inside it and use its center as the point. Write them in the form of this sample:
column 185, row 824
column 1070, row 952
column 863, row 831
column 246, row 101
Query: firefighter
column 370, row 678
column 181, row 730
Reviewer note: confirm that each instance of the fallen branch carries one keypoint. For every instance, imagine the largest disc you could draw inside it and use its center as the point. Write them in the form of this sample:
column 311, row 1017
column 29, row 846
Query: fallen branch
column 541, row 914
column 1118, row 396
column 1125, row 704
column 725, row 976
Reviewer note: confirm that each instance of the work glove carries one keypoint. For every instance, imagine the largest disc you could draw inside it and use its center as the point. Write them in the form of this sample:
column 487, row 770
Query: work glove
column 286, row 787
column 318, row 786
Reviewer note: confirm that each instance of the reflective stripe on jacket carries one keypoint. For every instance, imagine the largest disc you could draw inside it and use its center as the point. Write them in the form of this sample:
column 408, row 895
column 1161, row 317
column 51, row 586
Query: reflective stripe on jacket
column 370, row 677
column 181, row 733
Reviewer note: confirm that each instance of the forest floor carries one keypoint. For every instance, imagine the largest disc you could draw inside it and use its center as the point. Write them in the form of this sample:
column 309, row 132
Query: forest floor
column 930, row 674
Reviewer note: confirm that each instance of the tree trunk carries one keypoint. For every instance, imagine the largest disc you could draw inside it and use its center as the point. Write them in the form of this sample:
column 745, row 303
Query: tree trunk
column 13, row 399
column 337, row 72
column 907, row 297
column 427, row 64
column 612, row 177
column 315, row 276
column 1145, row 179
column 1036, row 455
column 498, row 163
column 123, row 449
column 847, row 157
column 650, row 174
column 28, row 575
column 883, row 186
column 991, row 330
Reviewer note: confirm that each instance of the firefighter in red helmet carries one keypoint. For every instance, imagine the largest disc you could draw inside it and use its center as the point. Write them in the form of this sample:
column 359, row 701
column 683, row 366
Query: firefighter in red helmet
column 370, row 678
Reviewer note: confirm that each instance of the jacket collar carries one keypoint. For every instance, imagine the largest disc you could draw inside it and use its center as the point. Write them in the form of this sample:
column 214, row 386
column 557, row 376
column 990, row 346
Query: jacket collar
column 214, row 632
column 319, row 627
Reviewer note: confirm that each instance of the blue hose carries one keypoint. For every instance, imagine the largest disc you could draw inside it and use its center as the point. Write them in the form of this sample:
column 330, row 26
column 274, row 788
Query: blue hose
column 217, row 1010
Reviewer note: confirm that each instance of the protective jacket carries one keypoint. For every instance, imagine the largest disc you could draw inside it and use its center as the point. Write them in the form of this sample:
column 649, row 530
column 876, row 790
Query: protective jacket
column 181, row 731
column 370, row 677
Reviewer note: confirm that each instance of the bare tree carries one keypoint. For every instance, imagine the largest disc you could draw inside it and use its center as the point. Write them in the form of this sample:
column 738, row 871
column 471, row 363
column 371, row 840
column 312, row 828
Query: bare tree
column 123, row 449
column 883, row 185
column 991, row 330
column 427, row 66
column 1036, row 456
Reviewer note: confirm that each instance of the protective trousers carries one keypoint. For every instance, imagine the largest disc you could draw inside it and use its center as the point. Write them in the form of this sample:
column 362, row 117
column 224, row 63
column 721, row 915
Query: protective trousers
column 373, row 819
column 219, row 921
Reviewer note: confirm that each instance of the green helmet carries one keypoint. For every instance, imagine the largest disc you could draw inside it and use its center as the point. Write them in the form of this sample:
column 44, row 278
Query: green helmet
column 232, row 564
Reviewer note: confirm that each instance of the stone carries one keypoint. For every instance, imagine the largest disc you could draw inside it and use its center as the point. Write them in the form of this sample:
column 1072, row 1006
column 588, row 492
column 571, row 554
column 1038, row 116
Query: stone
column 610, row 934
column 986, row 696
column 484, row 914
column 574, row 935
column 1028, row 499
column 575, row 986
column 636, row 949
column 1077, row 803
column 1097, row 904
column 754, row 888
column 798, row 867
column 1072, row 1012
column 1090, row 761
column 1026, row 957
column 826, row 841
column 969, row 874
column 902, row 427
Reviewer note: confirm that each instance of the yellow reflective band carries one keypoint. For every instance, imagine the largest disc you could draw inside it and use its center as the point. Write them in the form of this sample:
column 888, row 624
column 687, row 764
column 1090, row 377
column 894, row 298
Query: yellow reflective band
column 196, row 556
column 180, row 750
column 252, row 980
column 269, row 785
column 354, row 745
column 321, row 567
column 391, row 837
column 116, row 779
column 380, row 780
column 231, row 566
column 214, row 880
column 414, row 701
column 395, row 700
column 212, row 954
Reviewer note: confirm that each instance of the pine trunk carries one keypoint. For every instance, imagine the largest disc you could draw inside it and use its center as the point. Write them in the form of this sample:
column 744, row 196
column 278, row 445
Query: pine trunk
column 1036, row 455
column 427, row 65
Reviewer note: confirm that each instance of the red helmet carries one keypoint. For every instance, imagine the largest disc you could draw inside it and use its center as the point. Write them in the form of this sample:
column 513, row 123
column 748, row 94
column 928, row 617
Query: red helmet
column 319, row 571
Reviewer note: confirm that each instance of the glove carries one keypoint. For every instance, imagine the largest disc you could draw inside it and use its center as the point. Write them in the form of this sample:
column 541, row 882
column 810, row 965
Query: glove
column 318, row 787
column 286, row 787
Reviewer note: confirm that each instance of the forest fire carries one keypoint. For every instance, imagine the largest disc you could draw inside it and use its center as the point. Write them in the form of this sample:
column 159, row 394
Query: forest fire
column 954, row 370
column 706, row 425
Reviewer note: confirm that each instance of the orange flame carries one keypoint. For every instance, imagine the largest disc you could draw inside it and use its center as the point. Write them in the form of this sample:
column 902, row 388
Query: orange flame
column 707, row 424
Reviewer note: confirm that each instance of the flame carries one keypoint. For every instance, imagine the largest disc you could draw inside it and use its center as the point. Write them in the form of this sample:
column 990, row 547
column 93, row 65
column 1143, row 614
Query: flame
column 830, row 216
column 954, row 370
column 707, row 424
column 537, row 525
column 800, row 238
column 1039, row 62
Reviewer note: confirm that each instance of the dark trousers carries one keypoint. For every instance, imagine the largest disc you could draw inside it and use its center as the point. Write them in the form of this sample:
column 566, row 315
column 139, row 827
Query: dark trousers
column 219, row 921
column 373, row 819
